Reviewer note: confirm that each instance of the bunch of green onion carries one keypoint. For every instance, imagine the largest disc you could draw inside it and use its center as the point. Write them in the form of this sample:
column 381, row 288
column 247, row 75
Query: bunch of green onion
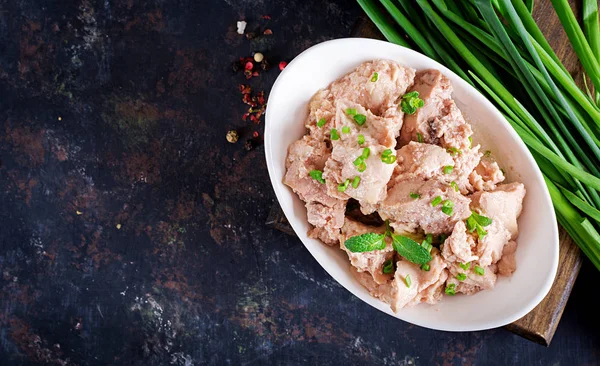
column 496, row 46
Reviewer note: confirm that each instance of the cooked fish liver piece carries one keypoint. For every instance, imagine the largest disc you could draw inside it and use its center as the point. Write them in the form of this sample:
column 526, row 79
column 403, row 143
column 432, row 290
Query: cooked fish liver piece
column 474, row 282
column 327, row 220
column 421, row 161
column 381, row 96
column 434, row 88
column 346, row 150
column 420, row 280
column 451, row 127
column 404, row 211
column 490, row 247
column 372, row 261
column 459, row 246
column 321, row 106
column 504, row 203
column 486, row 175
column 380, row 291
column 303, row 156
column 508, row 263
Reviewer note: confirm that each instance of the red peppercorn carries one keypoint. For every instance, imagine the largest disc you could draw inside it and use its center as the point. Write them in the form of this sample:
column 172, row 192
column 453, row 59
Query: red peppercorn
column 249, row 65
column 255, row 134
column 282, row 65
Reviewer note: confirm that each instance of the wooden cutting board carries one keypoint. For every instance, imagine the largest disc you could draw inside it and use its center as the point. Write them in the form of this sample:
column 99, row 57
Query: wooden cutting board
column 540, row 324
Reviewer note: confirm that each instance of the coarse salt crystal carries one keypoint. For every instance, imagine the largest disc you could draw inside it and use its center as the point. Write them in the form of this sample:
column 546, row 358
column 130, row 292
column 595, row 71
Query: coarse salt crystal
column 241, row 27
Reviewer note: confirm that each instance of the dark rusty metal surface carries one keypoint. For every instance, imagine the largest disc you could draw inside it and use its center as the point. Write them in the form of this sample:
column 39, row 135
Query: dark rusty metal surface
column 132, row 232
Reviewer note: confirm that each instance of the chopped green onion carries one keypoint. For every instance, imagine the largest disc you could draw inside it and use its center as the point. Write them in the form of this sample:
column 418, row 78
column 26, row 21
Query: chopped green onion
column 451, row 289
column 388, row 266
column 360, row 119
column 334, row 134
column 448, row 203
column 453, row 151
column 448, row 169
column 362, row 167
column 355, row 182
column 487, row 153
column 411, row 102
column 375, row 77
column 419, row 137
column 351, row 111
column 407, row 280
column 366, row 152
column 426, row 267
column 321, row 122
column 454, row 185
column 448, row 211
column 317, row 175
column 414, row 195
column 479, row 270
column 427, row 246
column 465, row 266
column 388, row 159
column 361, row 139
column 346, row 129
column 343, row 186
column 358, row 161
column 429, row 238
column 470, row 142
column 436, row 201
column 386, row 152
column 461, row 276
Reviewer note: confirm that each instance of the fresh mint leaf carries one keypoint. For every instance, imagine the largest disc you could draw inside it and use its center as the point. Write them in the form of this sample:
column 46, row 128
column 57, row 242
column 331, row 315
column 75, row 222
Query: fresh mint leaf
column 365, row 243
column 410, row 249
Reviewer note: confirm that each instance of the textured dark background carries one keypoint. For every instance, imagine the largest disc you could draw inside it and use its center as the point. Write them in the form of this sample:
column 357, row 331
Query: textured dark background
column 115, row 112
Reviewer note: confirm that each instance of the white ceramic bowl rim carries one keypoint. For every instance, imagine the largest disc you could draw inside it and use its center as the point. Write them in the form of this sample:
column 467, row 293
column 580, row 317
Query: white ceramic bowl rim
column 537, row 254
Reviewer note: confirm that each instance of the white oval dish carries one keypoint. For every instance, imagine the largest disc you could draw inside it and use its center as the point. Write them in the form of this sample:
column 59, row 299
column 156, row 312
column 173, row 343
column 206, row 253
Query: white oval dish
column 537, row 253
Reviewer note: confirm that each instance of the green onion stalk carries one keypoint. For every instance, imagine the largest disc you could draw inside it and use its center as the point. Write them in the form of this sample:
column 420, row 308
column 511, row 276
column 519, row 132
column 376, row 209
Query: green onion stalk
column 496, row 46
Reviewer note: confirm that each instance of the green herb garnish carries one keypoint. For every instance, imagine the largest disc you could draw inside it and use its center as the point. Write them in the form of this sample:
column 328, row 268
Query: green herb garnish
column 453, row 151
column 454, row 185
column 465, row 266
column 365, row 153
column 387, row 157
column 375, row 77
column 419, row 137
column 411, row 102
column 361, row 139
column 407, row 280
column 334, row 134
column 461, row 276
column 321, row 122
column 448, row 169
column 470, row 142
column 388, row 266
column 479, row 270
column 351, row 111
column 436, row 201
column 451, row 289
column 410, row 249
column 477, row 222
column 425, row 267
column 317, row 175
column 343, row 186
column 365, row 243
column 346, row 129
column 414, row 195
column 360, row 119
